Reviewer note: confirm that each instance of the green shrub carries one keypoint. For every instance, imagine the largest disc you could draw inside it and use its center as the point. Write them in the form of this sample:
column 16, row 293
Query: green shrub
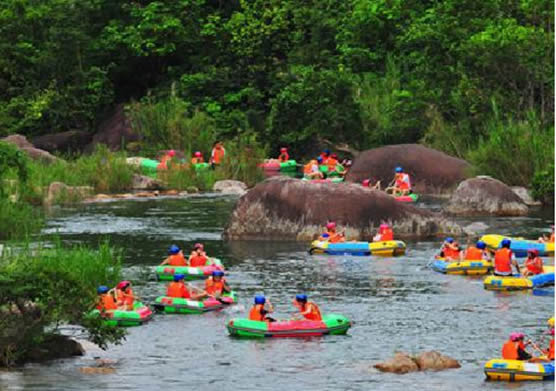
column 18, row 220
column 542, row 185
column 41, row 289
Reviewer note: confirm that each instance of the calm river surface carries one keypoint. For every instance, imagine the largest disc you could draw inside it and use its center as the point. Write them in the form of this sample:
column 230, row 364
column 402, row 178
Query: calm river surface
column 397, row 304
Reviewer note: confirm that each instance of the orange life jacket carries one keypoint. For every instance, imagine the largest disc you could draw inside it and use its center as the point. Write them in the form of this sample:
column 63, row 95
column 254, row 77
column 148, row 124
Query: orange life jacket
column 177, row 260
column 106, row 302
column 387, row 234
column 284, row 157
column 124, row 297
column 218, row 155
column 213, row 287
column 177, row 289
column 509, row 351
column 331, row 163
column 551, row 239
column 315, row 312
column 534, row 265
column 402, row 181
column 334, row 237
column 473, row 254
column 197, row 160
column 308, row 168
column 198, row 260
column 256, row 312
column 503, row 260
column 163, row 165
column 450, row 253
column 551, row 350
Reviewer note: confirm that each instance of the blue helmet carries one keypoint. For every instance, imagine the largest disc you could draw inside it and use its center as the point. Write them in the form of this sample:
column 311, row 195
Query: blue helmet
column 173, row 249
column 327, row 151
column 449, row 240
column 325, row 235
column 481, row 245
column 179, row 277
column 506, row 243
column 301, row 297
column 319, row 159
column 102, row 289
column 399, row 169
column 218, row 273
column 260, row 299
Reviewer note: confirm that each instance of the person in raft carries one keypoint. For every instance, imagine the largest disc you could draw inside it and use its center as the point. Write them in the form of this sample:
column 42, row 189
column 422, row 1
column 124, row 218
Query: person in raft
column 106, row 301
column 545, row 239
column 260, row 310
column 367, row 183
column 284, row 155
column 384, row 233
column 307, row 309
column 514, row 348
column 163, row 165
column 550, row 350
column 124, row 296
column 311, row 170
column 332, row 163
column 401, row 183
column 450, row 250
column 324, row 156
column 197, row 158
column 198, row 256
column 217, row 154
column 475, row 253
column 216, row 284
column 504, row 259
column 533, row 263
column 175, row 257
column 331, row 235
column 179, row 289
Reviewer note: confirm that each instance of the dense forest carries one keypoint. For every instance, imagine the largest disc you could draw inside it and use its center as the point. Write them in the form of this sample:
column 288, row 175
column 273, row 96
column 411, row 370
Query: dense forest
column 473, row 78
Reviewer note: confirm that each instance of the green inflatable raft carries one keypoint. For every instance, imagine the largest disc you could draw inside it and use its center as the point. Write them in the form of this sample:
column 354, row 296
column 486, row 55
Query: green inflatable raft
column 166, row 272
column 140, row 314
column 178, row 305
column 149, row 167
column 339, row 170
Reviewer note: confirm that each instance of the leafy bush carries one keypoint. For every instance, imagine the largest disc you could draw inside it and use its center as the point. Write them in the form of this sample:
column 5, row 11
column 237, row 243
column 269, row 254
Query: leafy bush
column 542, row 185
column 18, row 220
column 40, row 289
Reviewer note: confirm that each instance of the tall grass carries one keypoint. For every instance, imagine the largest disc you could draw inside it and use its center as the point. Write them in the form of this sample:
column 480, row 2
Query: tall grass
column 18, row 220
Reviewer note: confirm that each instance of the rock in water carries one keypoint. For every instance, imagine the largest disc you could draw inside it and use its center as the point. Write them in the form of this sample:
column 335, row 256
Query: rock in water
column 485, row 196
column 287, row 208
column 525, row 196
column 435, row 361
column 229, row 186
column 431, row 171
column 400, row 363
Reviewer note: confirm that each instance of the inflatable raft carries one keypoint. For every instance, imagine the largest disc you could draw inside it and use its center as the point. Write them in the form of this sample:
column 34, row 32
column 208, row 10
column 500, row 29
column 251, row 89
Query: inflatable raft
column 519, row 245
column 385, row 248
column 140, row 314
column 514, row 283
column 176, row 305
column 514, row 370
column 149, row 167
column 408, row 198
column 339, row 170
column 275, row 165
column 201, row 166
column 166, row 273
column 332, row 324
column 471, row 268
column 327, row 180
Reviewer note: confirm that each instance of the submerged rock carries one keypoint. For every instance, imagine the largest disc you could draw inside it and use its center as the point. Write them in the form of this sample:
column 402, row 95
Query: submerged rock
column 431, row 171
column 287, row 208
column 55, row 347
column 485, row 196
column 404, row 363
column 229, row 186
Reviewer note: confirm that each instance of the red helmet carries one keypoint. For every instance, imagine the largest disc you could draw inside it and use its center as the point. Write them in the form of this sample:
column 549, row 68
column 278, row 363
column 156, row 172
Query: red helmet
column 197, row 154
column 283, row 149
column 533, row 251
column 123, row 284
column 334, row 156
column 331, row 225
column 198, row 246
column 171, row 153
column 366, row 182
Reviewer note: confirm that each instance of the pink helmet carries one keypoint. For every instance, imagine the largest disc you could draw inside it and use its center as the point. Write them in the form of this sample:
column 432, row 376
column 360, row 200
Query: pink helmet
column 516, row 336
column 533, row 251
column 171, row 153
column 283, row 149
column 384, row 226
column 366, row 182
column 197, row 154
column 123, row 284
column 198, row 245
column 331, row 225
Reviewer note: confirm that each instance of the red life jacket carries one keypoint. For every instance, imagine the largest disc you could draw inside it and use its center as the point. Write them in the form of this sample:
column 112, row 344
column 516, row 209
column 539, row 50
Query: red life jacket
column 177, row 289
column 503, row 260
column 534, row 265
column 315, row 312
column 106, row 302
column 473, row 254
column 177, row 260
column 256, row 312
column 509, row 351
column 387, row 234
column 197, row 261
column 213, row 287
column 284, row 157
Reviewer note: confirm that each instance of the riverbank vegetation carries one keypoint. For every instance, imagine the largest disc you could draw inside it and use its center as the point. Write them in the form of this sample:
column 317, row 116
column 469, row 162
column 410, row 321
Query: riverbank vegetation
column 43, row 289
column 295, row 73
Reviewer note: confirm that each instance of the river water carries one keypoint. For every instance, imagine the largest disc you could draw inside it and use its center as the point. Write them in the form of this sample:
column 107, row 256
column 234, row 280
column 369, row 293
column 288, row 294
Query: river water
column 397, row 304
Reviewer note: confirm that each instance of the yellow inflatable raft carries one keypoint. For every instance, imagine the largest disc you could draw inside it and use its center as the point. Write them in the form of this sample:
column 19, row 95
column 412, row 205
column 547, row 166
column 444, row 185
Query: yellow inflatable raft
column 385, row 248
column 514, row 370
column 471, row 268
column 499, row 283
column 519, row 245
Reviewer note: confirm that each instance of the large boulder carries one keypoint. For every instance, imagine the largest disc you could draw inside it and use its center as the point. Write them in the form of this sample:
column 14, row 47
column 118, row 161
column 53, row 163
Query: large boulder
column 114, row 131
column 70, row 141
column 55, row 347
column 485, row 196
column 282, row 207
column 431, row 171
column 24, row 145
column 426, row 361
column 229, row 186
column 525, row 196
column 400, row 363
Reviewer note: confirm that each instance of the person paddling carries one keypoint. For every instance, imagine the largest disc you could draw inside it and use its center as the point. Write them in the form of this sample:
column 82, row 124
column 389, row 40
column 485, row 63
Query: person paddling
column 450, row 249
column 475, row 253
column 384, row 233
column 106, row 300
column 514, row 348
column 307, row 309
column 217, row 154
column 197, row 158
column 504, row 259
column 332, row 235
column 216, row 284
column 198, row 256
column 284, row 155
column 124, row 296
column 533, row 263
column 260, row 310
column 402, row 183
column 175, row 257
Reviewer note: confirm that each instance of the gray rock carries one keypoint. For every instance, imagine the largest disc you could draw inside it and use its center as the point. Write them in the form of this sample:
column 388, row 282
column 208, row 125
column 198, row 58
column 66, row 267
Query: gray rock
column 404, row 363
column 142, row 182
column 24, row 145
column 401, row 363
column 525, row 196
column 229, row 186
column 485, row 196
column 59, row 192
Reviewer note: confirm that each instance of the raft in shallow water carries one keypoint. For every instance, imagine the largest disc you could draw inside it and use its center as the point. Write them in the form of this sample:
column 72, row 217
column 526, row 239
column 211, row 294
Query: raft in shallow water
column 140, row 314
column 407, row 198
column 176, row 305
column 514, row 283
column 332, row 324
column 383, row 248
column 275, row 165
column 515, row 370
column 519, row 246
column 471, row 268
column 166, row 273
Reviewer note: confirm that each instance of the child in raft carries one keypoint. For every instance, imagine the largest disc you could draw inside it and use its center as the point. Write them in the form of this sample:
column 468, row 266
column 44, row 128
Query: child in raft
column 216, row 284
column 106, row 300
column 401, row 183
column 124, row 296
column 197, row 158
column 533, row 263
column 514, row 348
column 385, row 233
column 545, row 239
column 331, row 235
column 311, row 169
column 260, row 310
column 307, row 309
column 450, row 250
column 175, row 257
column 367, row 183
column 179, row 289
column 198, row 256
column 475, row 253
